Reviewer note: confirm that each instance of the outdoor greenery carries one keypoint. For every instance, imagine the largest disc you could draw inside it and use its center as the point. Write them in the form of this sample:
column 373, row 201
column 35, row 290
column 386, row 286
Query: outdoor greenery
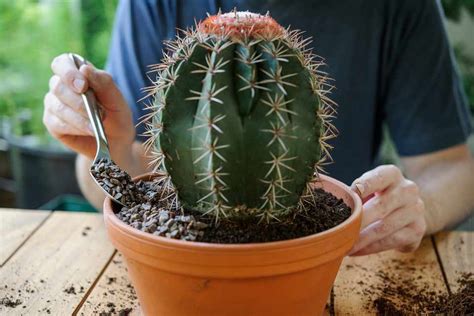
column 34, row 31
column 466, row 65
column 453, row 9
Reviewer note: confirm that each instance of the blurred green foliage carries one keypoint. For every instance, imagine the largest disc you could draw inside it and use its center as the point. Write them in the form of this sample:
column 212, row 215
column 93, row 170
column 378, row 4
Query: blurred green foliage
column 97, row 20
column 466, row 66
column 453, row 10
column 34, row 32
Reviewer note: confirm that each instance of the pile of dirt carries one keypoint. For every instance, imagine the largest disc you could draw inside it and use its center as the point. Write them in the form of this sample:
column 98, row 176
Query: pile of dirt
column 326, row 212
column 401, row 297
column 10, row 301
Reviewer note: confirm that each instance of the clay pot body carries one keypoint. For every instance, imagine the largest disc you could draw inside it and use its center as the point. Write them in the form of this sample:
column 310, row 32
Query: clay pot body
column 291, row 277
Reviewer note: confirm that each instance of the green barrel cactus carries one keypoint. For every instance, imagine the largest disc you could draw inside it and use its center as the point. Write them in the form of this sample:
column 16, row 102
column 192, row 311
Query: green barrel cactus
column 240, row 117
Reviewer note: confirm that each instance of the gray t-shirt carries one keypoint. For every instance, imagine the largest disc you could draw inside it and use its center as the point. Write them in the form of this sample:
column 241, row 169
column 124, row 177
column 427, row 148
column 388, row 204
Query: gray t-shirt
column 390, row 59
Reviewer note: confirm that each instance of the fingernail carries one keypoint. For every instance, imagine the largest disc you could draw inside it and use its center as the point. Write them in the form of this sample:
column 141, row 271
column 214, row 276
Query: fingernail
column 89, row 126
column 360, row 188
column 78, row 84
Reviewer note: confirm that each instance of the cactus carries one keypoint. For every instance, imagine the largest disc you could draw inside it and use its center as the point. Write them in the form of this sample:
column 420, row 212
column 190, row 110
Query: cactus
column 240, row 117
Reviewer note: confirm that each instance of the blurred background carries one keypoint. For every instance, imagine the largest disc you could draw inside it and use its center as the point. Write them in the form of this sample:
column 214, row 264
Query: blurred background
column 33, row 32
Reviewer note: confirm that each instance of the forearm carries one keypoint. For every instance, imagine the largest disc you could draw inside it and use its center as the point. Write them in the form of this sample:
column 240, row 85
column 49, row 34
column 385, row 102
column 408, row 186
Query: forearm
column 447, row 189
column 132, row 160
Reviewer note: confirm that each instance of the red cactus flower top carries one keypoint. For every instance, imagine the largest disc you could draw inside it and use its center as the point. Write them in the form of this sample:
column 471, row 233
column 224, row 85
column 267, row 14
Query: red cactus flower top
column 241, row 25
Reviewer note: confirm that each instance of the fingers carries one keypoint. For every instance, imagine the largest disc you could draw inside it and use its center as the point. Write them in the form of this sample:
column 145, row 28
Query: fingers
column 376, row 180
column 65, row 68
column 407, row 239
column 380, row 206
column 68, row 82
column 394, row 222
column 393, row 215
column 65, row 115
column 105, row 89
column 66, row 95
column 416, row 233
column 73, row 137
column 385, row 244
column 56, row 126
column 60, row 119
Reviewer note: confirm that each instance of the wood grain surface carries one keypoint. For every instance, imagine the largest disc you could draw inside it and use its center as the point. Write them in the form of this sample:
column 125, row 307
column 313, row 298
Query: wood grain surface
column 61, row 263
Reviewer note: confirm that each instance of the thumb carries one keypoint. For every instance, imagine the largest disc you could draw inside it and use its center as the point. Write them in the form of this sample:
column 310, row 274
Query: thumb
column 105, row 89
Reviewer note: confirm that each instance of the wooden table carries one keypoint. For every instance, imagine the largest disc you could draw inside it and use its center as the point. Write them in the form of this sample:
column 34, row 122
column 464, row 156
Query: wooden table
column 61, row 263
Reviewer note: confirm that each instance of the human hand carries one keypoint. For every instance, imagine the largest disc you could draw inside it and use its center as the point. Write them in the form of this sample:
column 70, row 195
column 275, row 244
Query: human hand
column 65, row 116
column 393, row 214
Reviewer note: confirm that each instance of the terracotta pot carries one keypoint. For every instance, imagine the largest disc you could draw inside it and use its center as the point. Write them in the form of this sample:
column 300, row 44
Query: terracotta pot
column 291, row 277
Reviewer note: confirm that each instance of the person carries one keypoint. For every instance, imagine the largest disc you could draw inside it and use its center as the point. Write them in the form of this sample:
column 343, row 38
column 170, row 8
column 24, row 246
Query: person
column 392, row 64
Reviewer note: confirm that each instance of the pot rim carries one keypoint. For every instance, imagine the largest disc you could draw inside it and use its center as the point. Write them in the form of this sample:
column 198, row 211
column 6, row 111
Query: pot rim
column 264, row 246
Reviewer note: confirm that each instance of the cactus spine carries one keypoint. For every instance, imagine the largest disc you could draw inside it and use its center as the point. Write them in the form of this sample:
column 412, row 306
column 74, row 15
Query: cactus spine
column 240, row 117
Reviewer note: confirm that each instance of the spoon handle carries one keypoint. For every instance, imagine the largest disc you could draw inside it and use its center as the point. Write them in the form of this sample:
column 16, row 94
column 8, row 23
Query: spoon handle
column 93, row 112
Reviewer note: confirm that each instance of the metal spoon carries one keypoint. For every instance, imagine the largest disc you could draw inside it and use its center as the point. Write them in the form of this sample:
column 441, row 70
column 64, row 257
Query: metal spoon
column 103, row 152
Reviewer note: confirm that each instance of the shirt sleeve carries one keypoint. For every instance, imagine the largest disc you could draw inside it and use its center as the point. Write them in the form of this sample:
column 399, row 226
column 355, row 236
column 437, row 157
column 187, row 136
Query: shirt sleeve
column 424, row 104
column 139, row 30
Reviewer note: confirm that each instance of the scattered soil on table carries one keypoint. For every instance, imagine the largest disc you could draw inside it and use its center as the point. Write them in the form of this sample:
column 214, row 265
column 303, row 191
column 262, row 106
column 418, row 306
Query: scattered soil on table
column 117, row 295
column 425, row 300
column 10, row 301
column 70, row 290
column 401, row 287
column 385, row 307
column 111, row 280
column 86, row 230
column 125, row 312
column 112, row 312
column 152, row 216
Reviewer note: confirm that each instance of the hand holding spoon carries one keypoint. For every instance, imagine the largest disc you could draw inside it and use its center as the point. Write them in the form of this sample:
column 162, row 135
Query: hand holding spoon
column 115, row 182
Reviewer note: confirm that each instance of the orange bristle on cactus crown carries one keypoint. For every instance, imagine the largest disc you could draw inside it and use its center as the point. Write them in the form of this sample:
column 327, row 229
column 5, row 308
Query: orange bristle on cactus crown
column 238, row 24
